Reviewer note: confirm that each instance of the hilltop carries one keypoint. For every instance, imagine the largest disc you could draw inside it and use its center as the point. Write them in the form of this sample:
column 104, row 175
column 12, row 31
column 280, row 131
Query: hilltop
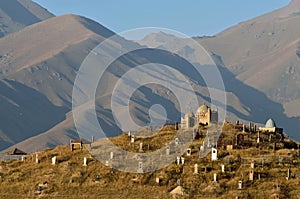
column 69, row 178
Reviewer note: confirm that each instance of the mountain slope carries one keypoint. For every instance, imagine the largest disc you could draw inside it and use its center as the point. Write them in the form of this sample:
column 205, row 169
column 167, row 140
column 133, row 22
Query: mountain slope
column 17, row 14
column 267, row 57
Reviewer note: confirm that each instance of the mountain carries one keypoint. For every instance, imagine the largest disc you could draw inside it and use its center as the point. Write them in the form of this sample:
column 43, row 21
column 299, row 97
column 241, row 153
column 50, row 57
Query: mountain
column 264, row 53
column 43, row 58
column 17, row 14
column 40, row 63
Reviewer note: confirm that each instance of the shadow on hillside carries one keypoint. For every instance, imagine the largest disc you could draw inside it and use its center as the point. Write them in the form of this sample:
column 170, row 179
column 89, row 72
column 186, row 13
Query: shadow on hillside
column 259, row 106
column 18, row 13
column 25, row 113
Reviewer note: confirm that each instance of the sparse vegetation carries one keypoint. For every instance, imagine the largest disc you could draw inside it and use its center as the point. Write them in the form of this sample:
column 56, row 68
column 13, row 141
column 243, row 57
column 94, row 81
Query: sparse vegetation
column 70, row 179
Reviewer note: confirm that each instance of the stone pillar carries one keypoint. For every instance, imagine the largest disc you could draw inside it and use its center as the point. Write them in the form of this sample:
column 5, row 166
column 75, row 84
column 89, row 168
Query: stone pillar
column 111, row 155
column 182, row 160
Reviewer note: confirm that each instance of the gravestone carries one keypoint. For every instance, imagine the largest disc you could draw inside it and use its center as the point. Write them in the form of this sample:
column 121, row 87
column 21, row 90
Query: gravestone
column 37, row 159
column 194, row 134
column 208, row 143
column 157, row 180
column 214, row 154
column 111, row 155
column 140, row 167
column 107, row 163
column 132, row 139
column 141, row 147
column 270, row 138
column 176, row 141
column 196, row 169
column 176, row 126
column 182, row 160
column 240, row 184
column 189, row 152
column 201, row 148
column 240, row 139
column 129, row 134
column 178, row 160
column 178, row 182
column 85, row 161
column 229, row 147
column 168, row 151
column 280, row 160
column 251, row 175
column 215, row 177
column 97, row 179
column 54, row 160
column 227, row 160
column 223, row 168
column 22, row 158
column 252, row 165
column 288, row 174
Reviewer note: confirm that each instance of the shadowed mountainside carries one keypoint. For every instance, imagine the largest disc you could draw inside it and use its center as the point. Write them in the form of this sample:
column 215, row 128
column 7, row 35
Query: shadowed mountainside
column 17, row 14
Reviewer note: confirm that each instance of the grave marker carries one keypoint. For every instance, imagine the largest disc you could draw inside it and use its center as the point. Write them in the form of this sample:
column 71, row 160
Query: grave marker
column 132, row 139
column 252, row 164
column 111, row 155
column 107, row 163
column 240, row 185
column 54, row 160
column 214, row 154
column 140, row 167
column 251, row 175
column 215, row 177
column 178, row 160
column 141, row 147
column 97, row 179
column 189, row 152
column 176, row 141
column 223, row 168
column 182, row 160
column 37, row 159
column 196, row 169
column 168, row 151
column 85, row 161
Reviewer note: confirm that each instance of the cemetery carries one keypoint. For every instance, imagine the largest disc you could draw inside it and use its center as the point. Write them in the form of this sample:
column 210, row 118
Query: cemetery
column 243, row 163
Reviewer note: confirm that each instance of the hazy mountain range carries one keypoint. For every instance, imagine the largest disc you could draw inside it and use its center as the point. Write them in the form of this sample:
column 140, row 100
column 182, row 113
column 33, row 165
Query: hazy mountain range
column 40, row 55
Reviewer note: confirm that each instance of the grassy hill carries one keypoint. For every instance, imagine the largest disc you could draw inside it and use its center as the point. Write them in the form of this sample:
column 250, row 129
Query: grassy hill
column 68, row 178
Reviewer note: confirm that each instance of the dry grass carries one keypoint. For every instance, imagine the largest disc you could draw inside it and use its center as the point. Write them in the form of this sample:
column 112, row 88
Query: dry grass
column 70, row 179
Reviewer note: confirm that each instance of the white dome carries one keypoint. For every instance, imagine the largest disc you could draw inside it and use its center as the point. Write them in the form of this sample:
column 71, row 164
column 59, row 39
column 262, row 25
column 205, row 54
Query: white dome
column 270, row 124
column 202, row 109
